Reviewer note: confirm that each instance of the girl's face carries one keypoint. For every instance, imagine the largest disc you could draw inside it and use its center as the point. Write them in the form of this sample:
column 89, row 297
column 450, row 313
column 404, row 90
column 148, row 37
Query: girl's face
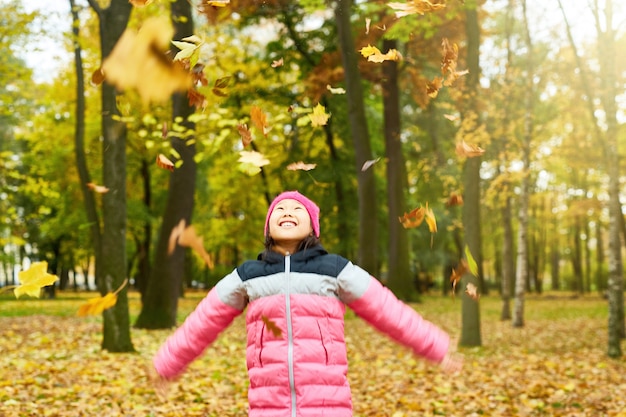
column 289, row 223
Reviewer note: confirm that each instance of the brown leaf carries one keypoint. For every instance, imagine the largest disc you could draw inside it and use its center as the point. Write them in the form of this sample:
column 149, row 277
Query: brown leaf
column 246, row 135
column 414, row 218
column 457, row 273
column 271, row 326
column 259, row 119
column 163, row 162
column 454, row 200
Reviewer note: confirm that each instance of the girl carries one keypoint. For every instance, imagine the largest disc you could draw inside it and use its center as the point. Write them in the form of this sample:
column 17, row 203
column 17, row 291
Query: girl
column 299, row 288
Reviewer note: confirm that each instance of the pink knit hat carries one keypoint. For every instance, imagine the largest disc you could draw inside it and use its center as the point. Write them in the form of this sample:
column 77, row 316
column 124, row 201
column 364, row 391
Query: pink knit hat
column 311, row 208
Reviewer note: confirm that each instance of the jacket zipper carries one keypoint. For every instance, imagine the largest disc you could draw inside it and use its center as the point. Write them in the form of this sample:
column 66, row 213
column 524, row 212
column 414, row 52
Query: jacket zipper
column 292, row 384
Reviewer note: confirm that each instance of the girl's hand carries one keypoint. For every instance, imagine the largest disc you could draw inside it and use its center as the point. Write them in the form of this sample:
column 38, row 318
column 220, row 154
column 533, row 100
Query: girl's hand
column 160, row 384
column 452, row 363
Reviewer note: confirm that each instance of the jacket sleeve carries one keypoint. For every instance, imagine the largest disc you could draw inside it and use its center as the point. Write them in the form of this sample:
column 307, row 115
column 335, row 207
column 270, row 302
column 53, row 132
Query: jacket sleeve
column 377, row 305
column 212, row 316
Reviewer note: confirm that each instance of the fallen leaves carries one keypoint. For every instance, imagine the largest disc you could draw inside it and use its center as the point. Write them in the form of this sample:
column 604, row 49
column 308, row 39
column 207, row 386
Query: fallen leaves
column 556, row 365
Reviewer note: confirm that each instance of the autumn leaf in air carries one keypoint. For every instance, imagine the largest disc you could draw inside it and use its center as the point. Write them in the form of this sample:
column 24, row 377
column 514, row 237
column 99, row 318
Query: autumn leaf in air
column 139, row 61
column 219, row 87
column 414, row 218
column 454, row 200
column 373, row 54
column 217, row 3
column 186, row 236
column 468, row 150
column 246, row 135
column 271, row 326
column 337, row 90
column 319, row 117
column 34, row 279
column 95, row 306
column 457, row 273
column 471, row 262
column 100, row 189
column 367, row 164
column 163, row 161
column 472, row 291
column 415, row 7
column 433, row 87
column 259, row 119
column 189, row 48
column 429, row 216
column 251, row 162
column 449, row 62
column 277, row 63
column 300, row 166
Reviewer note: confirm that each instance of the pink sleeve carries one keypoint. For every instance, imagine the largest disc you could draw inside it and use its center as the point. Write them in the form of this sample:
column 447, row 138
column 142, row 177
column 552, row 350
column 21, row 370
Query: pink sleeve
column 380, row 307
column 199, row 330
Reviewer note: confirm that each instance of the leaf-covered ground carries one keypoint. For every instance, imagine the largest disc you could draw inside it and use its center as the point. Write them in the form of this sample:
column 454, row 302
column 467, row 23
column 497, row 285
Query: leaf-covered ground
column 51, row 365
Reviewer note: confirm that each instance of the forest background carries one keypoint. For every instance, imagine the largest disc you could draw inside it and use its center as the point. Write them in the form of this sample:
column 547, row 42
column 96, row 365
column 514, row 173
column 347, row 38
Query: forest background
column 497, row 123
column 500, row 122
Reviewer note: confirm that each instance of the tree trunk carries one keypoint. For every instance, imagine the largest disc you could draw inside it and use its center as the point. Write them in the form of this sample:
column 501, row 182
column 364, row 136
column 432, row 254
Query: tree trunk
column 143, row 245
column 521, row 276
column 577, row 257
column 508, row 262
column 368, row 225
column 399, row 272
column 470, row 327
column 165, row 286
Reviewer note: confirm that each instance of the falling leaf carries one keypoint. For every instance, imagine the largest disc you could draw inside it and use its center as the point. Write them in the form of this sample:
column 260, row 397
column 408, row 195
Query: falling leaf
column 217, row 3
column 451, row 117
column 454, row 200
column 220, row 85
column 97, row 77
column 414, row 218
column 246, row 135
column 415, row 7
column 295, row 166
column 472, row 291
column 139, row 61
column 163, row 162
column 187, row 49
column 391, row 55
column 457, row 273
column 433, row 87
column 337, row 90
column 468, row 150
column 369, row 163
column 430, row 219
column 368, row 22
column 140, row 3
column 368, row 50
column 471, row 262
column 100, row 189
column 449, row 62
column 277, row 63
column 252, row 161
column 34, row 279
column 319, row 117
column 271, row 326
column 95, row 306
column 259, row 119
column 186, row 236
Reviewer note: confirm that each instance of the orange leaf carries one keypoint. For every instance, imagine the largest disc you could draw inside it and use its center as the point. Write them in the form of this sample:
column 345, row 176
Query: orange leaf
column 430, row 220
column 259, row 119
column 414, row 218
column 457, row 273
column 95, row 306
column 97, row 77
column 163, row 162
column 100, row 189
column 468, row 150
column 433, row 87
column 271, row 326
column 140, row 3
column 454, row 200
column 187, row 237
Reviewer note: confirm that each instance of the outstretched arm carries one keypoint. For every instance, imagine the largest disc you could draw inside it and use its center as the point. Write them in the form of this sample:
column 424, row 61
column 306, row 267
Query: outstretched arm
column 212, row 316
column 378, row 306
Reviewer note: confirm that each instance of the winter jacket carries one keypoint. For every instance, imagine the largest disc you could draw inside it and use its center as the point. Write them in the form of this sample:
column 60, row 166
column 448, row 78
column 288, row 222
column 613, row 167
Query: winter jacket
column 302, row 371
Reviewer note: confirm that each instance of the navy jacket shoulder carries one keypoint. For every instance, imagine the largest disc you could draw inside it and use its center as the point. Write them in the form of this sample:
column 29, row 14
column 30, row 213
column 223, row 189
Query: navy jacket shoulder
column 314, row 260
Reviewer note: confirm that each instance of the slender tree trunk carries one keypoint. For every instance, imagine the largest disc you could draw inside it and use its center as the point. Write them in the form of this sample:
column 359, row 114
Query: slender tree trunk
column 111, row 260
column 470, row 327
column 368, row 257
column 600, row 275
column 143, row 245
column 521, row 276
column 400, row 279
column 577, row 257
column 165, row 287
column 508, row 262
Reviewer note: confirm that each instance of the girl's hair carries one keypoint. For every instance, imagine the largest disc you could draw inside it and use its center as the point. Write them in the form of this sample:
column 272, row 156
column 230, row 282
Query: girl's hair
column 307, row 242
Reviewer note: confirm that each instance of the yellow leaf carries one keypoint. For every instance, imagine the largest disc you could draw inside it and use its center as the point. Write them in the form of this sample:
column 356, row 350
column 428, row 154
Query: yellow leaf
column 431, row 220
column 319, row 117
column 368, row 50
column 252, row 157
column 415, row 7
column 34, row 279
column 471, row 263
column 95, row 306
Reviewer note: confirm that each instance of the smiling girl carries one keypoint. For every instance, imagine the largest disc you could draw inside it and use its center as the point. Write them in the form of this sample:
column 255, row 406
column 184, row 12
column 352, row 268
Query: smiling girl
column 303, row 290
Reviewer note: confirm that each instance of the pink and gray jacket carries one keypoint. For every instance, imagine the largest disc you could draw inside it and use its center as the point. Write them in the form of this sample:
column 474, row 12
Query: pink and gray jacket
column 303, row 371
